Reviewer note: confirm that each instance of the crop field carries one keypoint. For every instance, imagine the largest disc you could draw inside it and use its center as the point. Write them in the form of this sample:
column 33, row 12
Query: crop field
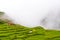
column 19, row 32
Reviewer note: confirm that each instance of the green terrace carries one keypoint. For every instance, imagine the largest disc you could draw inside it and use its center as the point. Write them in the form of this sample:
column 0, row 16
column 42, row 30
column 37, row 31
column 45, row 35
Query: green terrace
column 19, row 32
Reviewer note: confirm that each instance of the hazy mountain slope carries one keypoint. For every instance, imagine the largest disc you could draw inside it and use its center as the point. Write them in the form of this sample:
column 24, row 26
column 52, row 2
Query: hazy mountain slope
column 11, row 31
column 18, row 32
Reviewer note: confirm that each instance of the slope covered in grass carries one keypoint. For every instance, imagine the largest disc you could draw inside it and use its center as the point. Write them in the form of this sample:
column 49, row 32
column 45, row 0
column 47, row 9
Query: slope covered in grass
column 19, row 32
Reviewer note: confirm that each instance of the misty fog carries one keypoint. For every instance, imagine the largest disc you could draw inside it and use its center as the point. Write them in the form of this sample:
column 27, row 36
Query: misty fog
column 29, row 12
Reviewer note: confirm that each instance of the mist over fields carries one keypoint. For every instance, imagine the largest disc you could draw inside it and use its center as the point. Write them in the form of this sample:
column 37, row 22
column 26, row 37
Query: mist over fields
column 28, row 12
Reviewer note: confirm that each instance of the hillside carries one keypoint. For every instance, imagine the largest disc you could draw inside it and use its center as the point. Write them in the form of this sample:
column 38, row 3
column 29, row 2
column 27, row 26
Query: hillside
column 19, row 32
column 11, row 31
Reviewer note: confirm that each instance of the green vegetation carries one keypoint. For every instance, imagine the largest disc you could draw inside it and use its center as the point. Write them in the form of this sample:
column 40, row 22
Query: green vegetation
column 19, row 32
column 10, row 31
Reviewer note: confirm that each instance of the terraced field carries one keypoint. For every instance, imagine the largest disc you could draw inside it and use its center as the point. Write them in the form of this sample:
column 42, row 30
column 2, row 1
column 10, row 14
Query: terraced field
column 18, row 32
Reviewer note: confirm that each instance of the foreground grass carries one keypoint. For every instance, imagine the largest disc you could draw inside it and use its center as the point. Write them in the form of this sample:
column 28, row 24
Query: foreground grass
column 18, row 32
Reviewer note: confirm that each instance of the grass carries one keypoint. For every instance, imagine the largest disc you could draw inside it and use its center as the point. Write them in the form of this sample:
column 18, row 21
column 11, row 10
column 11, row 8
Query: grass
column 19, row 32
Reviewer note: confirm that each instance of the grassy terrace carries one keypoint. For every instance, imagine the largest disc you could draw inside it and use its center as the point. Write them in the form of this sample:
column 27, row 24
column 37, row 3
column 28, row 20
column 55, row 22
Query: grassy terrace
column 18, row 32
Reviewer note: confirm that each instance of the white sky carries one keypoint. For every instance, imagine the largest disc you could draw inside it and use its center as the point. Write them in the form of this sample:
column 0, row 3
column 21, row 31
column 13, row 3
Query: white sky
column 27, row 12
